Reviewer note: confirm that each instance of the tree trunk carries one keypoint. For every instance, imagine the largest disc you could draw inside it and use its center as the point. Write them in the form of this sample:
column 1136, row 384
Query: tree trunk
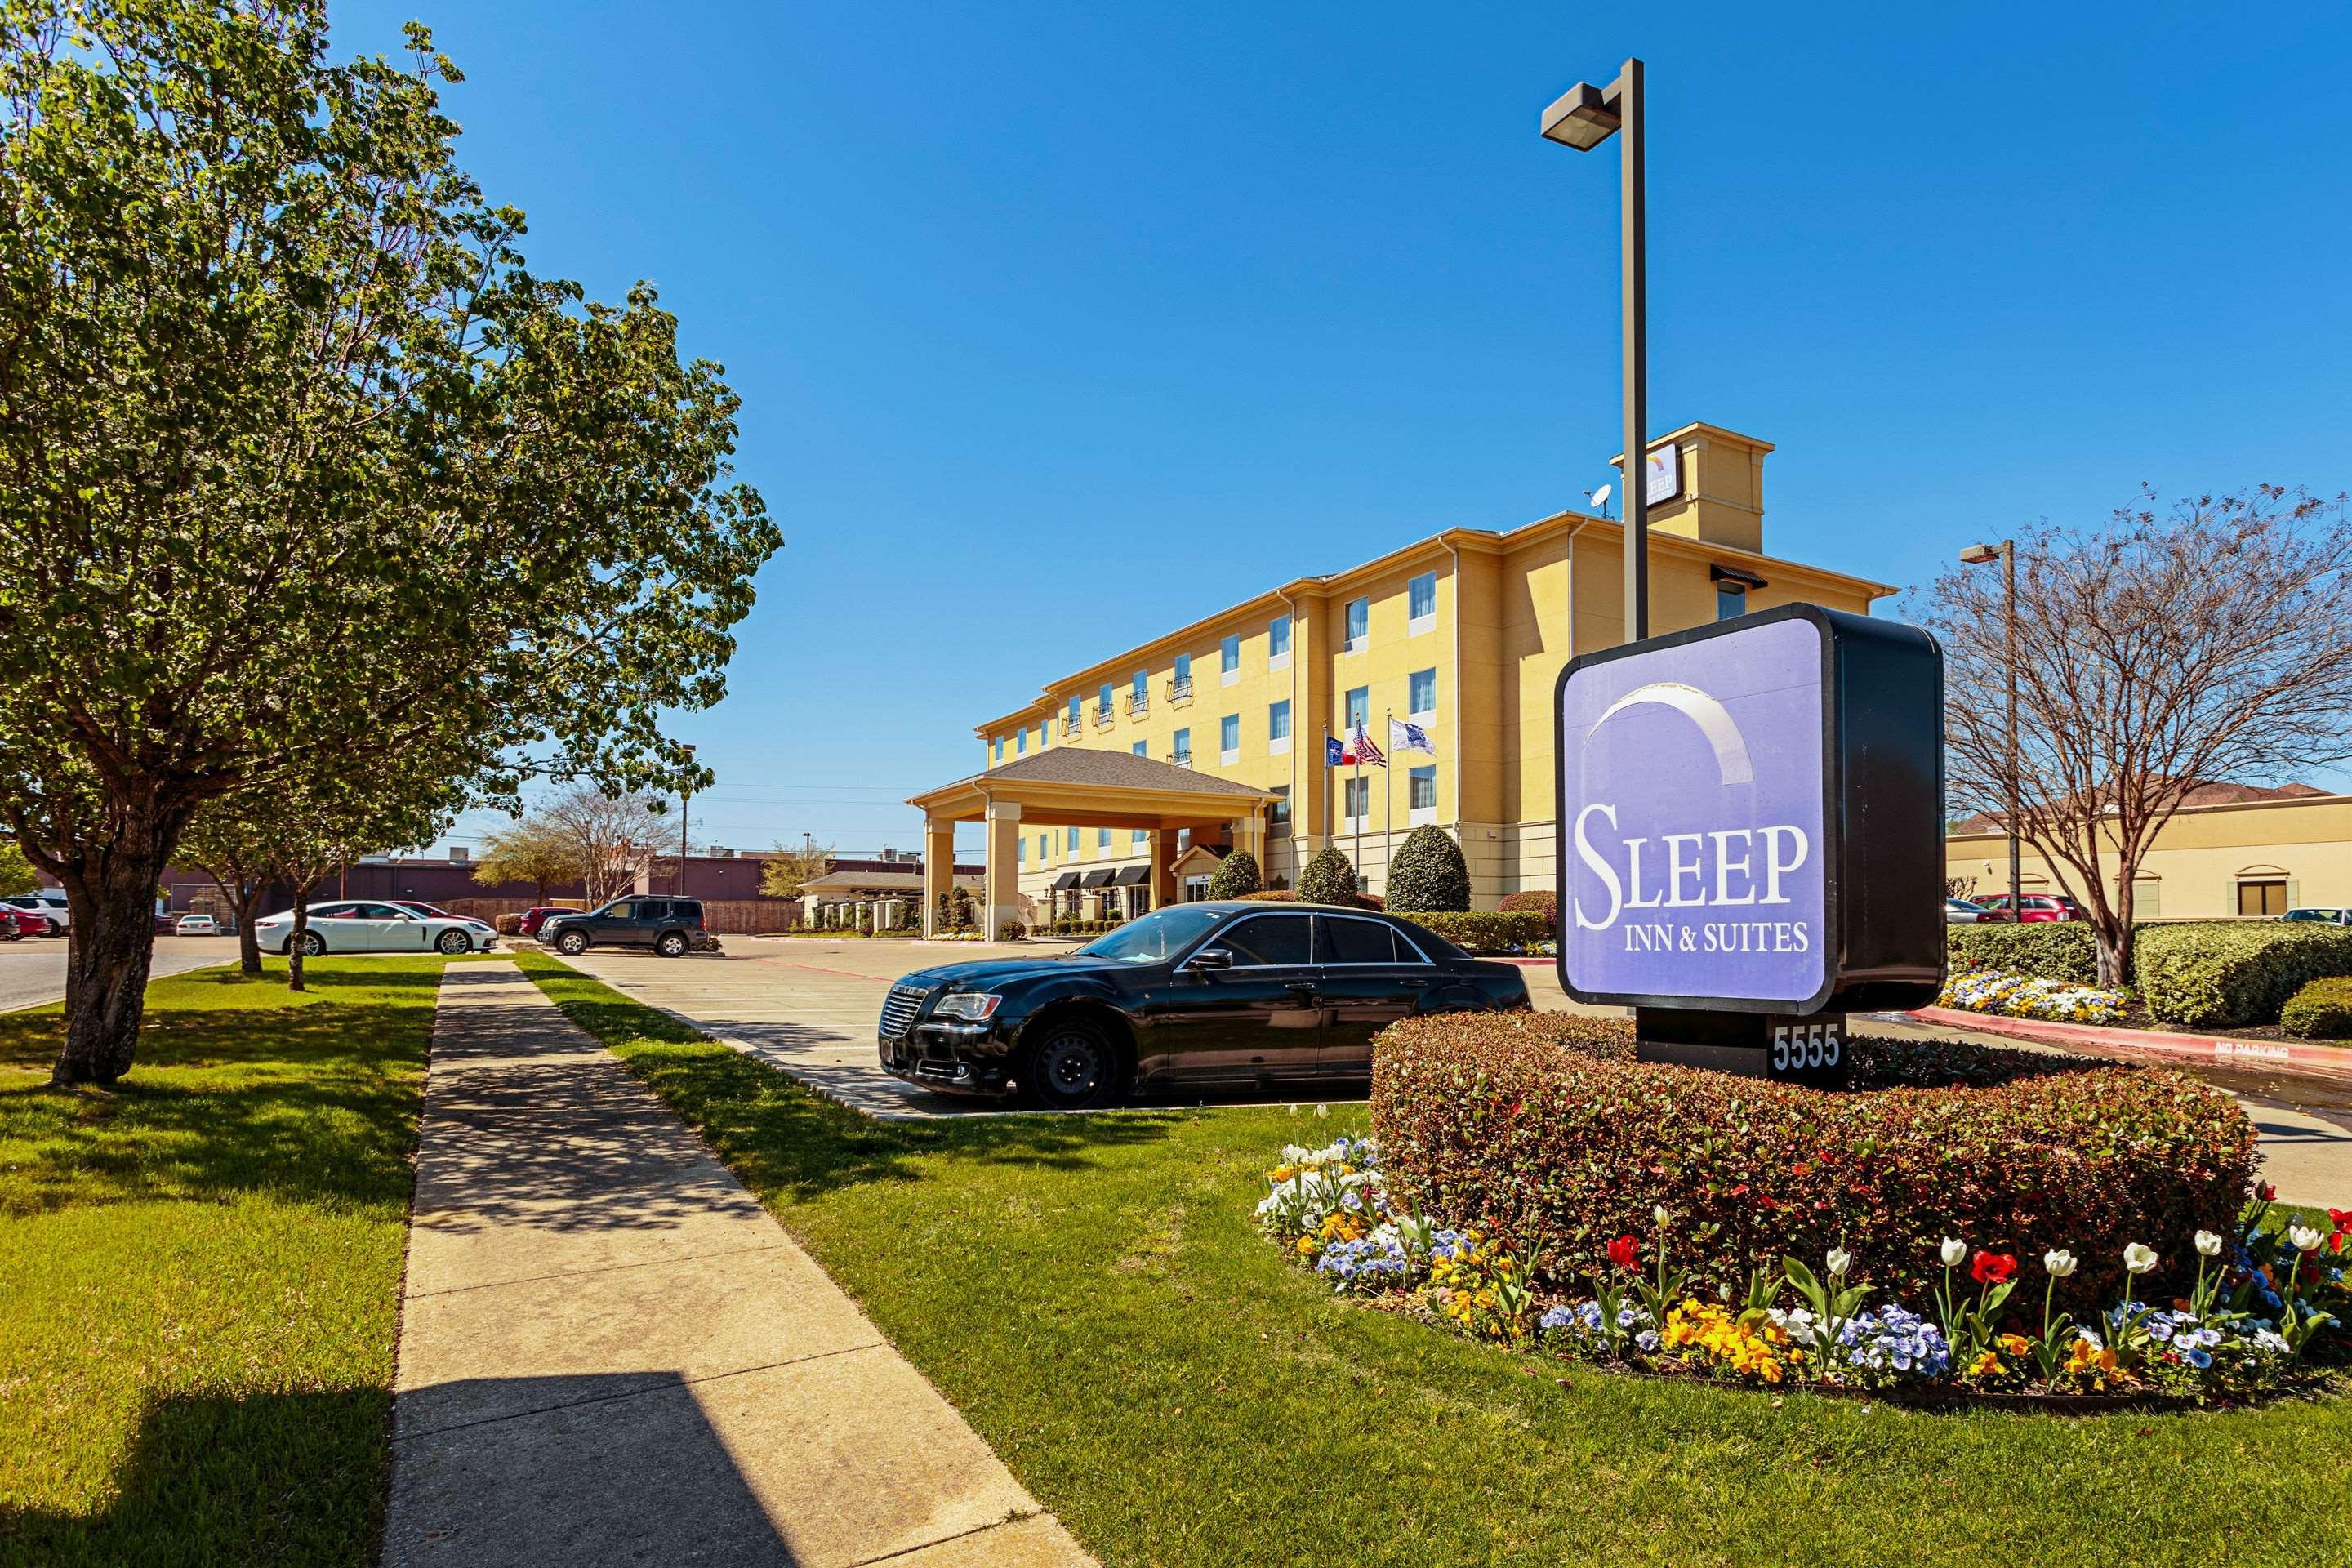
column 110, row 945
column 301, row 928
column 2113, row 934
column 247, row 900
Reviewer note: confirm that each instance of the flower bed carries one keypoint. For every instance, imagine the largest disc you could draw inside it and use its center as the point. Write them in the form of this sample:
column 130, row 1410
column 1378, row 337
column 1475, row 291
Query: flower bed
column 2016, row 995
column 2265, row 1309
column 1540, row 1127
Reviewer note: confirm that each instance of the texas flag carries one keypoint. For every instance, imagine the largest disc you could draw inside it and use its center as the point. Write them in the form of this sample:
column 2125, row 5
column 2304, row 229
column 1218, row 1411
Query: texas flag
column 1335, row 754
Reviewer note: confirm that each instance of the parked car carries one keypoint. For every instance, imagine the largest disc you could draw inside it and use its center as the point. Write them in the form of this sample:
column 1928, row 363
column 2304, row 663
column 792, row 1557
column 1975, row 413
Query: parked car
column 50, row 904
column 1961, row 912
column 2320, row 916
column 16, row 924
column 354, row 925
column 2036, row 907
column 197, row 925
column 668, row 926
column 538, row 916
column 1199, row 994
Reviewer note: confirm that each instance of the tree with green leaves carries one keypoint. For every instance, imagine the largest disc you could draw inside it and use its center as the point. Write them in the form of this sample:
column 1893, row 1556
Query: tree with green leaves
column 17, row 873
column 1236, row 876
column 230, row 839
column 1429, row 874
column 533, row 850
column 784, row 873
column 307, row 468
column 1328, row 878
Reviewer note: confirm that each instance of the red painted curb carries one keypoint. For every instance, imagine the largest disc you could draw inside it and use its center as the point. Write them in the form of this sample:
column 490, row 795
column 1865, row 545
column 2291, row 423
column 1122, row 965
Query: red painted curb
column 2321, row 1061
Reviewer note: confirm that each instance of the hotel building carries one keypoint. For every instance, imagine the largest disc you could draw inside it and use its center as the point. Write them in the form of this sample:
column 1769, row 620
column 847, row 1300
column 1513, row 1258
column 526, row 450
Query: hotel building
column 1120, row 782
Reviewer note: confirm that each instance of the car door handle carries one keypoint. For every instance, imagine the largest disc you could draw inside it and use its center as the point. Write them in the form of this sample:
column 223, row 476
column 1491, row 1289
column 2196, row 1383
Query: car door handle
column 1414, row 985
column 1304, row 987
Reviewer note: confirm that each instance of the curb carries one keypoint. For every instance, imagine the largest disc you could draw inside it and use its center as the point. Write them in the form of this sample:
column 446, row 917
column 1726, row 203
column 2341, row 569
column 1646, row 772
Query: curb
column 2313, row 1061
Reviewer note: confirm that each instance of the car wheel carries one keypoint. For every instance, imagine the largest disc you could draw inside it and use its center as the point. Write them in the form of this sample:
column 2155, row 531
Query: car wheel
column 572, row 943
column 1071, row 1068
column 453, row 941
column 55, row 929
column 671, row 945
column 313, row 944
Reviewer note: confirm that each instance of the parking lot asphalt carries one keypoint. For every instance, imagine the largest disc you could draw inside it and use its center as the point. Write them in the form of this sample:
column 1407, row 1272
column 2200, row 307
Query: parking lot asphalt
column 33, row 970
column 809, row 1005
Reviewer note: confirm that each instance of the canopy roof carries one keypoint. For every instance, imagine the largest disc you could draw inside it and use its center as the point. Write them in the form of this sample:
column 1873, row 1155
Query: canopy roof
column 1081, row 786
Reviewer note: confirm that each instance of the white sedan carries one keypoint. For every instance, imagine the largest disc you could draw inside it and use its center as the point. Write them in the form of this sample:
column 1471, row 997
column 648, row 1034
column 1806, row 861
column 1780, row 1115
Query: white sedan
column 348, row 925
column 197, row 925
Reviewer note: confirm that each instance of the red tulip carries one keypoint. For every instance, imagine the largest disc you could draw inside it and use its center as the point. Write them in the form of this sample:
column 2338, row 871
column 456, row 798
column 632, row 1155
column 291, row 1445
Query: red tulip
column 2264, row 1191
column 1992, row 1268
column 1623, row 1251
column 2341, row 1218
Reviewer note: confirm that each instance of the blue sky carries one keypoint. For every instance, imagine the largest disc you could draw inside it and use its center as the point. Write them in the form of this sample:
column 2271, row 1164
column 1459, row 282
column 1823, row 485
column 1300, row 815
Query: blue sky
column 1058, row 325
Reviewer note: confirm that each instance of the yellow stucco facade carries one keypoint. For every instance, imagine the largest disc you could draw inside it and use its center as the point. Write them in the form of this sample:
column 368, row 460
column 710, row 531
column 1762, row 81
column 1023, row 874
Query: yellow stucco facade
column 2249, row 859
column 1464, row 633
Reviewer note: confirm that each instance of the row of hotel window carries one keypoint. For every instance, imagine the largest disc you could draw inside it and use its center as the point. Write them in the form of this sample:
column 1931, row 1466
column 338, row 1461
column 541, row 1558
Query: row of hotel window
column 1356, row 814
column 1420, row 708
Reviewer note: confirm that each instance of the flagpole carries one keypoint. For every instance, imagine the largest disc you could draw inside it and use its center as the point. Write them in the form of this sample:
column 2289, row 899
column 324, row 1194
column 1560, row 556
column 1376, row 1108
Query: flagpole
column 1388, row 802
column 1328, row 836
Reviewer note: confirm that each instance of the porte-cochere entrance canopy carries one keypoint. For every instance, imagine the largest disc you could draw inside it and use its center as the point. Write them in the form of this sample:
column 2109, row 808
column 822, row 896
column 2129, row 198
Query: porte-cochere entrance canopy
column 1075, row 787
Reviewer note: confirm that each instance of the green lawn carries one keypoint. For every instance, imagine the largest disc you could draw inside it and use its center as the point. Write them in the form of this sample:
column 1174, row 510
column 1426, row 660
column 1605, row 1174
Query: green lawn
column 200, row 1272
column 1091, row 1292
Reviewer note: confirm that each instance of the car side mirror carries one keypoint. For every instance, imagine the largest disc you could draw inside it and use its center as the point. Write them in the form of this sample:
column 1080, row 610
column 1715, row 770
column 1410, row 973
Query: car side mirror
column 1210, row 958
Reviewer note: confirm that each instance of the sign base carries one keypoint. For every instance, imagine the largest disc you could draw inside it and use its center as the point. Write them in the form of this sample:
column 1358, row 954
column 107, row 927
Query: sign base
column 1808, row 1050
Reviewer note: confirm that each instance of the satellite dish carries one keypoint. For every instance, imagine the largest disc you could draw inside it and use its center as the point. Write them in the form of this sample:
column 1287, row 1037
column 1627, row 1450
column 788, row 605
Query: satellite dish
column 1600, row 499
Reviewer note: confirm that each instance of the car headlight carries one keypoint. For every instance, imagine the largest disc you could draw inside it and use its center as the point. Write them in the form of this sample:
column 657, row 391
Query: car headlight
column 973, row 1005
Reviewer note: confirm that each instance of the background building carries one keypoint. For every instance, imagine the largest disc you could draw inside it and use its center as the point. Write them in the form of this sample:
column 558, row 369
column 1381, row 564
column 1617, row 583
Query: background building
column 2234, row 851
column 1464, row 634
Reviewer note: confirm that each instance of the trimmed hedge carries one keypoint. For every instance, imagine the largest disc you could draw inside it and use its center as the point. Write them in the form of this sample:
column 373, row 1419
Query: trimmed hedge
column 2226, row 975
column 1533, row 900
column 2320, row 1011
column 1429, row 874
column 506, row 925
column 1483, row 930
column 1541, row 1129
column 1270, row 896
column 1328, row 879
column 1084, row 928
column 1236, row 876
column 2049, row 950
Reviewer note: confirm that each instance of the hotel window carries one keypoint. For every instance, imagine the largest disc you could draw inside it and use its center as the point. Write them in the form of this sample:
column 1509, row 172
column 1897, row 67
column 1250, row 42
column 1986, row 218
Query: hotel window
column 1421, row 603
column 1020, row 851
column 1731, row 591
column 1278, row 816
column 1420, row 689
column 1359, row 625
column 1102, row 839
column 1229, row 660
column 1139, row 697
column 1142, row 838
column 1021, row 741
column 1182, row 755
column 1103, row 705
column 1229, row 739
column 1141, row 748
column 1183, row 675
column 1044, row 847
column 2265, row 900
column 1070, row 723
column 1073, row 841
column 1277, row 728
column 1360, row 707
column 1359, row 802
column 1277, row 643
column 1421, row 795
column 1000, row 748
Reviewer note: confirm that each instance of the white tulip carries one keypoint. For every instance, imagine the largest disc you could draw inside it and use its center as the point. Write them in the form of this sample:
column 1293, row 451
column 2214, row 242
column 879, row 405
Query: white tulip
column 2139, row 1258
column 2208, row 1244
column 1840, row 1259
column 2059, row 1262
column 2302, row 1237
column 1660, row 1214
column 1954, row 1250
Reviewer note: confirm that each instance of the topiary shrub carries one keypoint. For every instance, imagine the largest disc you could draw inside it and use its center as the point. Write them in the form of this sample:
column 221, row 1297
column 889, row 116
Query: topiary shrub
column 1542, row 1127
column 1328, row 879
column 2320, row 1011
column 1236, row 876
column 1533, row 900
column 2048, row 950
column 1428, row 873
column 2227, row 974
column 506, row 925
column 1483, row 930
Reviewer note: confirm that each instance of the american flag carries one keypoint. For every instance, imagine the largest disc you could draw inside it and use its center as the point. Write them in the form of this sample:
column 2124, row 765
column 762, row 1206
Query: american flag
column 1362, row 749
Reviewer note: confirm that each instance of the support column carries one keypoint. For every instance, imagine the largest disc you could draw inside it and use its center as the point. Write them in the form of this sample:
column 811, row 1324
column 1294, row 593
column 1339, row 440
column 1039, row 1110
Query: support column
column 1163, row 868
column 1003, row 902
column 1249, row 838
column 939, row 869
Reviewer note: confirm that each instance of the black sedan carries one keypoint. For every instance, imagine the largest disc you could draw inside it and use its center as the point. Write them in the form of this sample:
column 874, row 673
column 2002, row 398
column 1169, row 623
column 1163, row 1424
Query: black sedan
column 1212, row 996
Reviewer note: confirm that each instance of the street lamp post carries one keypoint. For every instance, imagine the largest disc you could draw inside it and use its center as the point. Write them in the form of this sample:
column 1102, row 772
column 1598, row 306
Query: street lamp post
column 1584, row 117
column 685, row 804
column 1985, row 555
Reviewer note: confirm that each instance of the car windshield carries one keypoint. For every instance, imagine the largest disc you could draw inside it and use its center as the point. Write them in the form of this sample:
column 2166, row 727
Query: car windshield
column 2331, row 916
column 1155, row 937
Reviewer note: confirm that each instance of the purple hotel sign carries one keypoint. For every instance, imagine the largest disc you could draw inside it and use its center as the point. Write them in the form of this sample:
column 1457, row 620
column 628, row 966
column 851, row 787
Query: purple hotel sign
column 1749, row 821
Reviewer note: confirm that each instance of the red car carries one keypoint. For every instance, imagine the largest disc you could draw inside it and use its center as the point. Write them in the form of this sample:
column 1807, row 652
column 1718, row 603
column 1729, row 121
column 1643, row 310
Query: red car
column 2036, row 907
column 16, row 924
column 534, row 919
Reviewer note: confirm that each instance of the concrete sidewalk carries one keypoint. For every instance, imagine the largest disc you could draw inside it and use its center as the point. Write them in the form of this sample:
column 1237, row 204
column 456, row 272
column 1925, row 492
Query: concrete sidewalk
column 611, row 1353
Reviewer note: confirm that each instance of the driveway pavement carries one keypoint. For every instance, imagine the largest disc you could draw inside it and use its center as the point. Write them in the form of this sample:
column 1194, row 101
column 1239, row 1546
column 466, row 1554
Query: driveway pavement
column 33, row 971
column 809, row 1006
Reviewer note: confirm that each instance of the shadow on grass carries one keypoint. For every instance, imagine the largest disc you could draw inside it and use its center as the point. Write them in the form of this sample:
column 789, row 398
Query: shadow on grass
column 275, row 1477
